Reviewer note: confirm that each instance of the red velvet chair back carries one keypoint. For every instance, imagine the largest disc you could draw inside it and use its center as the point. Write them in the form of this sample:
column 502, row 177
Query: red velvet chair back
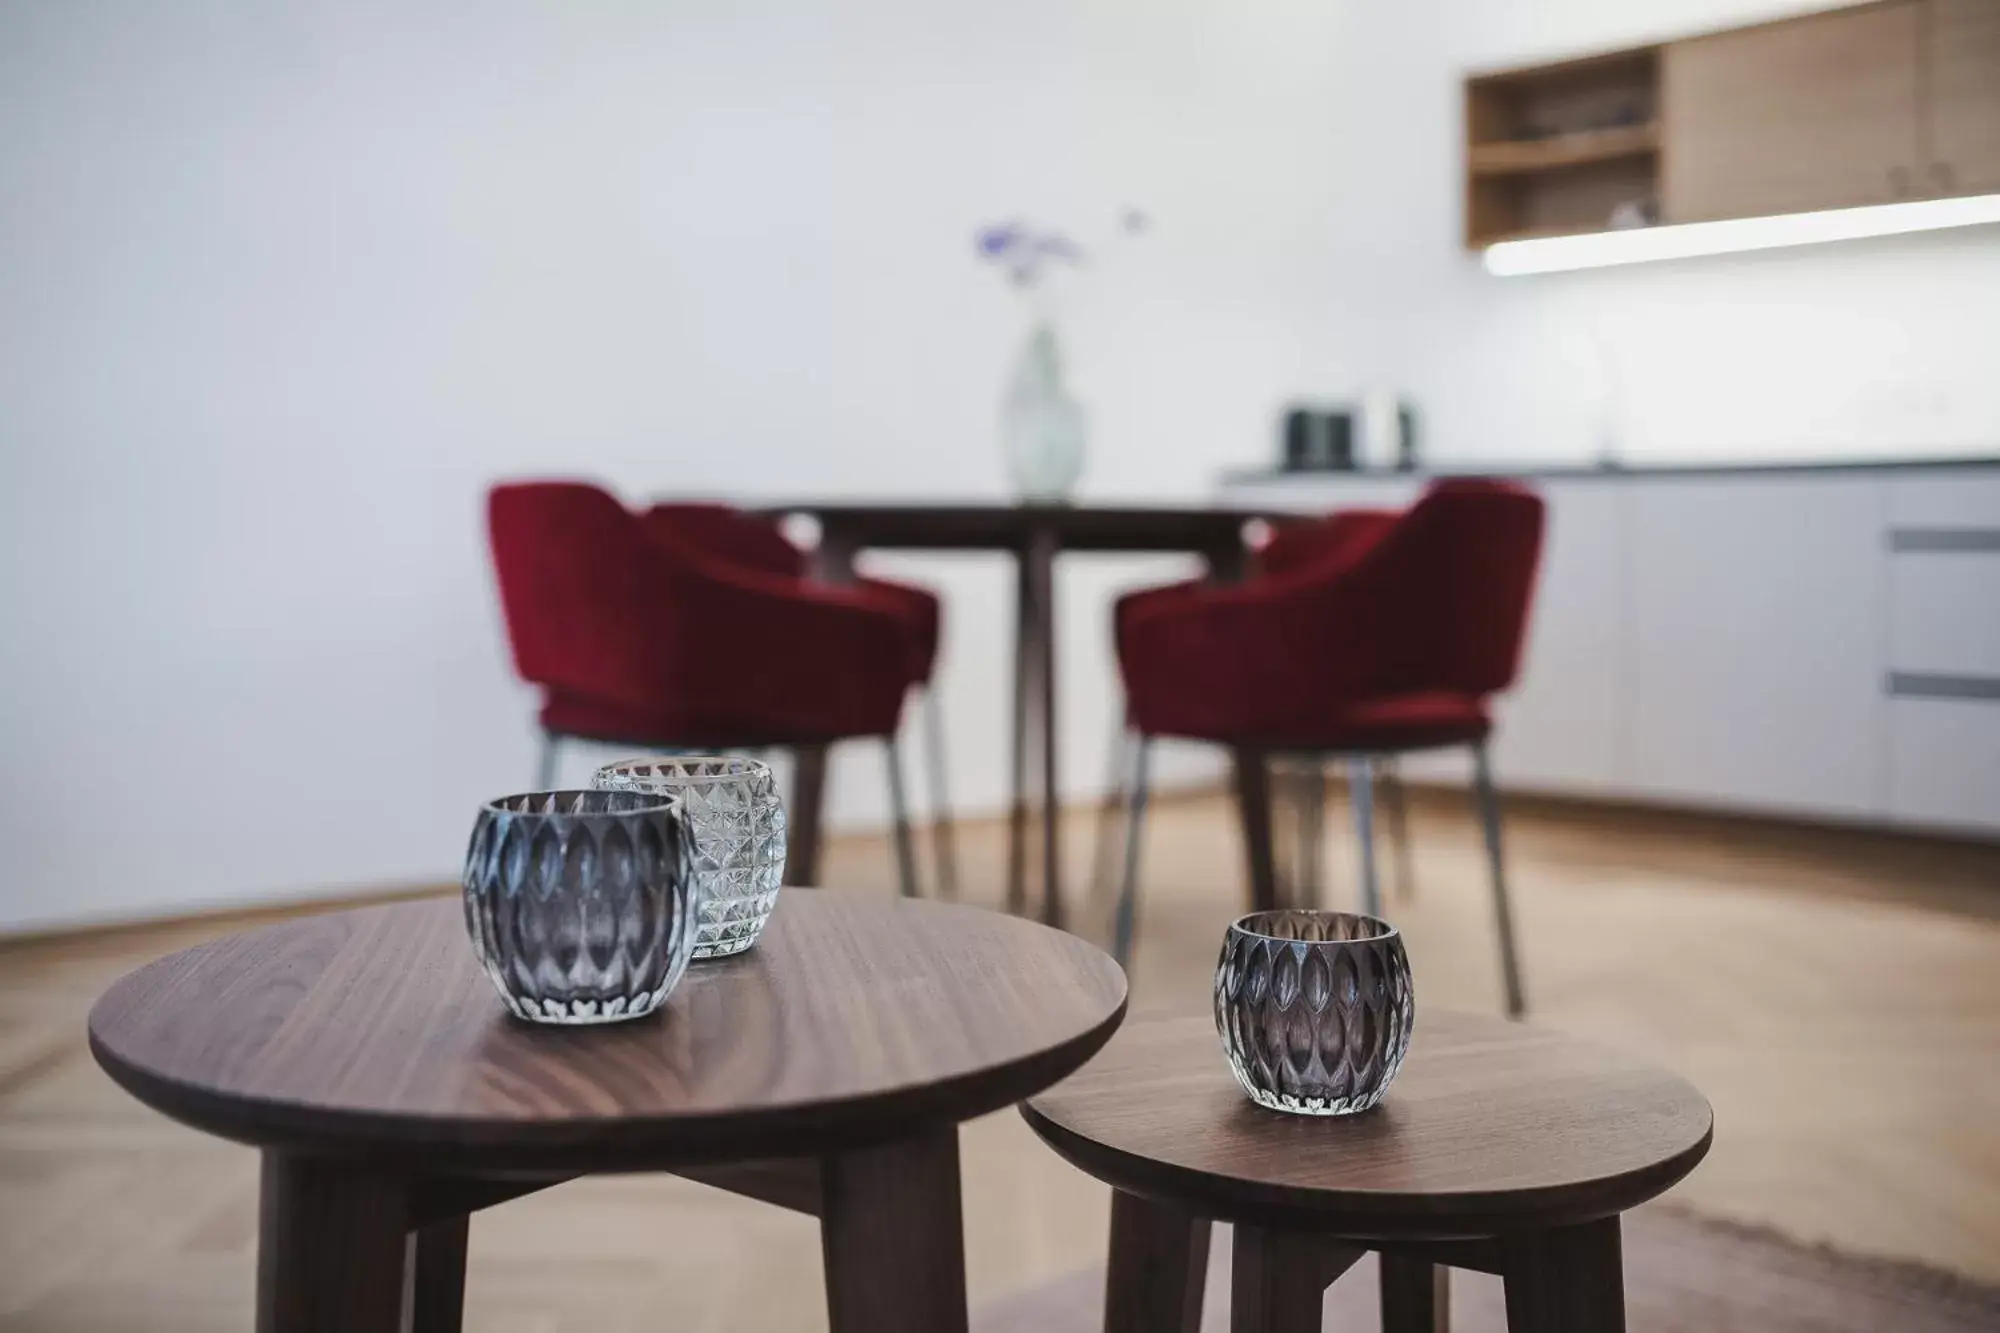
column 1451, row 584
column 1330, row 539
column 581, row 589
column 1499, row 530
column 642, row 638
column 727, row 533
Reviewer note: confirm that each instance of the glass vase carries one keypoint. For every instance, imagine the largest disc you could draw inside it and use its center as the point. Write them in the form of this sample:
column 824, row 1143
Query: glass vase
column 1041, row 426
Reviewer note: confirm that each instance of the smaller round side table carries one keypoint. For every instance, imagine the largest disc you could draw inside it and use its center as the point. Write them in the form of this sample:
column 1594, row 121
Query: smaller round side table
column 1501, row 1147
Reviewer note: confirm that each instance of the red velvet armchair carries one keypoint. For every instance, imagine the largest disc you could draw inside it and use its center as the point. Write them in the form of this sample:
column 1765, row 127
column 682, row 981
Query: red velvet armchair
column 1381, row 635
column 755, row 542
column 641, row 641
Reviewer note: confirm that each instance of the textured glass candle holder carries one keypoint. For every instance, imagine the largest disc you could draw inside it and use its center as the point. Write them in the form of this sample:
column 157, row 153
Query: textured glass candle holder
column 582, row 905
column 731, row 808
column 1314, row 1009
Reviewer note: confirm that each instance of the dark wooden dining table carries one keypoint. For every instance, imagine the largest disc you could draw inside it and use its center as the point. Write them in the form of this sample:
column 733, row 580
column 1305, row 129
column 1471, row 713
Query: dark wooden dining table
column 1035, row 535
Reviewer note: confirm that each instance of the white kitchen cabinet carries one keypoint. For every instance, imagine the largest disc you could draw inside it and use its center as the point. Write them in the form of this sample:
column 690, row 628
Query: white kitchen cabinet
column 1944, row 764
column 1565, row 724
column 1944, row 651
column 1757, row 613
column 1944, row 498
column 1945, row 613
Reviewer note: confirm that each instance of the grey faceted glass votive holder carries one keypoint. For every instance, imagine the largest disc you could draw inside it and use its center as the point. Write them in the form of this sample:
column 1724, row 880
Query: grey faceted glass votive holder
column 1314, row 1009
column 582, row 905
column 732, row 810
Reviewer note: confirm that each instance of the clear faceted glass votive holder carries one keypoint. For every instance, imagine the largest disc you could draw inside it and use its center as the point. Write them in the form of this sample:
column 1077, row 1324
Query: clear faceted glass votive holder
column 1314, row 1009
column 582, row 905
column 731, row 807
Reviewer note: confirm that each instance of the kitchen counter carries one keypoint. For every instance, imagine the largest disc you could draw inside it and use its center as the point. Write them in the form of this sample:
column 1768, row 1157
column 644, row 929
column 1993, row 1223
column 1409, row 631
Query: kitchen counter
column 1589, row 471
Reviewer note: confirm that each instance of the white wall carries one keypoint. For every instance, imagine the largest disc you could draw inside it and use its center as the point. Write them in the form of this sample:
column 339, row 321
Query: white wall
column 284, row 286
column 1865, row 349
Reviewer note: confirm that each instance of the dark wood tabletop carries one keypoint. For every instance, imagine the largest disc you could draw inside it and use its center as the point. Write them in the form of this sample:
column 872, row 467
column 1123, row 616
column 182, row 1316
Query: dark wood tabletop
column 1491, row 1127
column 374, row 1032
column 959, row 526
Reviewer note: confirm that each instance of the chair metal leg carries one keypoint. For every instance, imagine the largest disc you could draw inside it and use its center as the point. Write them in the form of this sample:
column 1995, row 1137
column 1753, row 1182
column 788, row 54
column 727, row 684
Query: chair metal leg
column 1312, row 832
column 1503, row 914
column 545, row 767
column 1397, row 809
column 943, row 845
column 1253, row 808
column 1135, row 820
column 899, row 814
column 1360, row 776
column 1104, row 846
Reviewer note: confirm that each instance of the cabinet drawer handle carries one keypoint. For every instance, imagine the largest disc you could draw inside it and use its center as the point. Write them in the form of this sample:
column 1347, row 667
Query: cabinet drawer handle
column 1942, row 177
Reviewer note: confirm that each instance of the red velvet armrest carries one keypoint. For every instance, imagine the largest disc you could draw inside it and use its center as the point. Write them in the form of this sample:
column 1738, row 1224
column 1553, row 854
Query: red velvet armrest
column 814, row 659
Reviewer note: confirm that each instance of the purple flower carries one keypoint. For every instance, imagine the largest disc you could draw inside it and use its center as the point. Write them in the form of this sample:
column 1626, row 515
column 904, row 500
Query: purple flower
column 1026, row 253
column 997, row 240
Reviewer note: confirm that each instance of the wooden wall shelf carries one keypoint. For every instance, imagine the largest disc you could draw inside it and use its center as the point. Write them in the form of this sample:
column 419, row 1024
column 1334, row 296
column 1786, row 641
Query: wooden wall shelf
column 1529, row 234
column 1554, row 149
column 1874, row 103
column 1563, row 150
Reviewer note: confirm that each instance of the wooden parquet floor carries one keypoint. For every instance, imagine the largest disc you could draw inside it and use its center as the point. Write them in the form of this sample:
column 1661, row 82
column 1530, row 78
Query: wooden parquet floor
column 1837, row 996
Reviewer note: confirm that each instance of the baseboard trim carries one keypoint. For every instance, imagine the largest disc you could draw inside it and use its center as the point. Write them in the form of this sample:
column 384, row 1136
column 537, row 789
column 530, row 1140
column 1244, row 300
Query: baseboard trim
column 245, row 912
column 1665, row 816
column 1661, row 816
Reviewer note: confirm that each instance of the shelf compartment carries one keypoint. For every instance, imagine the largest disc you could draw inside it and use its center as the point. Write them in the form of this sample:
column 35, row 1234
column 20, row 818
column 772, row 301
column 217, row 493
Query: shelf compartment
column 1563, row 150
column 1574, row 197
column 1555, row 148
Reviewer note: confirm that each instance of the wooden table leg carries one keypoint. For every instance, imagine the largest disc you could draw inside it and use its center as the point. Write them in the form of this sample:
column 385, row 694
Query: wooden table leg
column 833, row 562
column 803, row 814
column 1565, row 1280
column 1416, row 1296
column 1229, row 562
column 1308, row 880
column 1253, row 805
column 1026, row 655
column 1159, row 1265
column 437, row 1276
column 1278, row 1279
column 1395, row 805
column 892, row 1234
column 330, row 1247
column 1042, row 566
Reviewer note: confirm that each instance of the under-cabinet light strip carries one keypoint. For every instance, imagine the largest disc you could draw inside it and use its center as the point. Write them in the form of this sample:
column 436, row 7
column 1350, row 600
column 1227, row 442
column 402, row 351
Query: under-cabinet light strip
column 1552, row 254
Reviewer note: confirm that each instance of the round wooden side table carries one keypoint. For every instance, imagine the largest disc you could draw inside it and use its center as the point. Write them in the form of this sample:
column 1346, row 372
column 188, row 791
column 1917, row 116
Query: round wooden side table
column 1501, row 1147
column 392, row 1095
